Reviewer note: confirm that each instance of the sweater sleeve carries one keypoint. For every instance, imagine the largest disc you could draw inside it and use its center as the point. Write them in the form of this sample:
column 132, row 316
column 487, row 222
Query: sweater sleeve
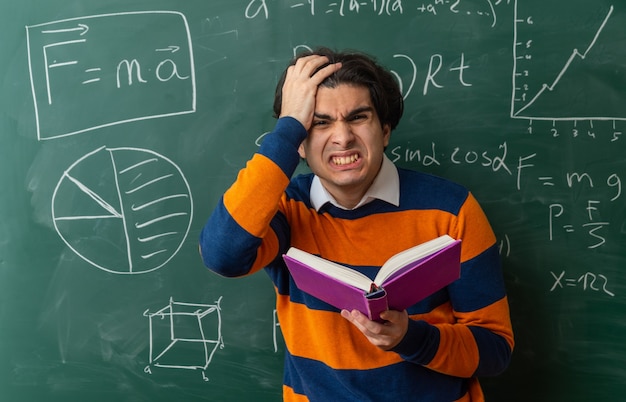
column 480, row 341
column 243, row 233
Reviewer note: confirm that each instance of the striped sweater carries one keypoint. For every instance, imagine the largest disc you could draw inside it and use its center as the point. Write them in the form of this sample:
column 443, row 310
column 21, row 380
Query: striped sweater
column 454, row 336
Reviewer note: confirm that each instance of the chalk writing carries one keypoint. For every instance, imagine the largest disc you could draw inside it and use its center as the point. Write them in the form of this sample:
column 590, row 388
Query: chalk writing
column 532, row 95
column 523, row 171
column 579, row 129
column 131, row 217
column 571, row 179
column 436, row 76
column 504, row 246
column 454, row 7
column 83, row 63
column 457, row 156
column 587, row 282
column 275, row 330
column 593, row 228
column 487, row 10
column 184, row 336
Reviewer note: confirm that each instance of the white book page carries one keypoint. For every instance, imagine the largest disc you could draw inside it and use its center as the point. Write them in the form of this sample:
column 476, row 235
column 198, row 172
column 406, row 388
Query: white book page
column 343, row 273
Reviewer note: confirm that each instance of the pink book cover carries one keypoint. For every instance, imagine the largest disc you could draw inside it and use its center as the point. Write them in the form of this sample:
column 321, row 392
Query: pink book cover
column 405, row 288
column 424, row 277
column 325, row 287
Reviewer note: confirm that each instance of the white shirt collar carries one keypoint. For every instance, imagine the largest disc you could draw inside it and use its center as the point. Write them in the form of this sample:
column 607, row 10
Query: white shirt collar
column 386, row 187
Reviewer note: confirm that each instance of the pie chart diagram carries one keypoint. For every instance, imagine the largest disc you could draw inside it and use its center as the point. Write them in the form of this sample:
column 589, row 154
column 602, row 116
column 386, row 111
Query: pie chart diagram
column 123, row 210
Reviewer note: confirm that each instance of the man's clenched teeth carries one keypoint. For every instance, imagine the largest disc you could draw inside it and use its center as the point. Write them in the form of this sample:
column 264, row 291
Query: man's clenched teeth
column 345, row 160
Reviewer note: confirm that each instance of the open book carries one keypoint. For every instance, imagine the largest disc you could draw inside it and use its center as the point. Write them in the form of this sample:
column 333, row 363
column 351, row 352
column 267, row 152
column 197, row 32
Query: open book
column 405, row 279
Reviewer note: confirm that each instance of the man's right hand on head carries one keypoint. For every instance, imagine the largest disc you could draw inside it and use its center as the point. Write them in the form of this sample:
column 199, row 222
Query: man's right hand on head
column 300, row 87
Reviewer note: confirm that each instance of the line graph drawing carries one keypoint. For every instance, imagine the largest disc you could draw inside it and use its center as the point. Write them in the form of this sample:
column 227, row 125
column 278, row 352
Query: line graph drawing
column 123, row 210
column 575, row 54
column 553, row 81
column 185, row 335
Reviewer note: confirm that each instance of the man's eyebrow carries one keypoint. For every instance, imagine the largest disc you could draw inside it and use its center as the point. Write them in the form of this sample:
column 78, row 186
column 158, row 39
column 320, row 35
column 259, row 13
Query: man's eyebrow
column 321, row 116
column 361, row 109
column 352, row 113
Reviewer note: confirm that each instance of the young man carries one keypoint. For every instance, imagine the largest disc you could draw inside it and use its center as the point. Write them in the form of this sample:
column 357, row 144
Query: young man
column 337, row 110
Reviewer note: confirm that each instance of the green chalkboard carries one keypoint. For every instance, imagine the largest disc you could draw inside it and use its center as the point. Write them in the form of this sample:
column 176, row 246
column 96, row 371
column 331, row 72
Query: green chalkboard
column 122, row 123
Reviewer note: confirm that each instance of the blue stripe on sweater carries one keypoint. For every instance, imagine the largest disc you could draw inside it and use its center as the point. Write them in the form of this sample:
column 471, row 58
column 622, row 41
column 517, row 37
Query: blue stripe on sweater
column 482, row 282
column 403, row 381
column 219, row 251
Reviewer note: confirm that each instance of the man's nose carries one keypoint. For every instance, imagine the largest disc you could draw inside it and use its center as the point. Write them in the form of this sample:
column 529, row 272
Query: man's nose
column 342, row 134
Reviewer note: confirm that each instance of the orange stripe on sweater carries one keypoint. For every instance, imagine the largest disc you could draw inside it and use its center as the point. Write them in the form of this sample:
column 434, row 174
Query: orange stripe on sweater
column 253, row 207
column 365, row 241
column 477, row 232
column 290, row 396
column 327, row 337
column 337, row 239
column 495, row 317
column 457, row 340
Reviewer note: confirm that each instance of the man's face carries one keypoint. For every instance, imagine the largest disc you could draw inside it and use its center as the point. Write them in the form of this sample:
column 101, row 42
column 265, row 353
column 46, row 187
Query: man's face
column 346, row 142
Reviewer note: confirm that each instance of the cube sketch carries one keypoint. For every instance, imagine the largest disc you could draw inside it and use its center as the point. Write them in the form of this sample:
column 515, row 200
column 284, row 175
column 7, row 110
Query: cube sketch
column 185, row 335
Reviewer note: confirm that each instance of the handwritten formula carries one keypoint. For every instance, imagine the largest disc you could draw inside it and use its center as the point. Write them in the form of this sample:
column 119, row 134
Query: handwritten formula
column 86, row 62
column 487, row 10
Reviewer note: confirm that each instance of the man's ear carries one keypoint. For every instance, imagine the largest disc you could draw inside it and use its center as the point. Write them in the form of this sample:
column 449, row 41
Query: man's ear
column 386, row 134
column 301, row 151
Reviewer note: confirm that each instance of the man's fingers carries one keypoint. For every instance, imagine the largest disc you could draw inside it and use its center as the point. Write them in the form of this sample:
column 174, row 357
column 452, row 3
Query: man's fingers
column 308, row 64
column 310, row 67
column 325, row 72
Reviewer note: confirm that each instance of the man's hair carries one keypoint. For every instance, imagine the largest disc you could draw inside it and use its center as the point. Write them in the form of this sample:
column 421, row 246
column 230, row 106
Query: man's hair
column 357, row 69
